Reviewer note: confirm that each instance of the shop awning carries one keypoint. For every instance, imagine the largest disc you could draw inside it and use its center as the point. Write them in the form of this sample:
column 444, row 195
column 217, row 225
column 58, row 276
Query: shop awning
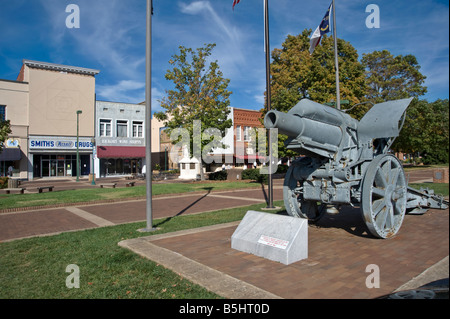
column 251, row 157
column 120, row 151
column 10, row 154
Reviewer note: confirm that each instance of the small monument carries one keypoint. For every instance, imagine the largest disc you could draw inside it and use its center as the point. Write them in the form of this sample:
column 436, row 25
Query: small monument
column 274, row 237
column 189, row 167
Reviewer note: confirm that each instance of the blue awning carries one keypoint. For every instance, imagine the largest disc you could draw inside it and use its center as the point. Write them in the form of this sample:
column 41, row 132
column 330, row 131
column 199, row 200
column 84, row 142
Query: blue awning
column 10, row 154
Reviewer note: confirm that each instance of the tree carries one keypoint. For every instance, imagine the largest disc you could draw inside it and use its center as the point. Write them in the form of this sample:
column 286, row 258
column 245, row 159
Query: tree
column 392, row 78
column 5, row 130
column 426, row 131
column 200, row 94
column 297, row 75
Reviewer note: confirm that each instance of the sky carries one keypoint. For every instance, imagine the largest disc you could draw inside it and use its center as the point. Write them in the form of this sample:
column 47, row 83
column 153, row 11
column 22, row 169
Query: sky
column 111, row 38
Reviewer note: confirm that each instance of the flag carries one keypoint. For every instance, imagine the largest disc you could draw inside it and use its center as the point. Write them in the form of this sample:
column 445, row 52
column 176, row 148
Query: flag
column 235, row 2
column 324, row 27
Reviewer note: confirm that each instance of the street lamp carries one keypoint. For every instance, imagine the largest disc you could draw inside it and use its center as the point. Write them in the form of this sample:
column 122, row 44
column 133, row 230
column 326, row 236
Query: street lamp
column 93, row 152
column 78, row 146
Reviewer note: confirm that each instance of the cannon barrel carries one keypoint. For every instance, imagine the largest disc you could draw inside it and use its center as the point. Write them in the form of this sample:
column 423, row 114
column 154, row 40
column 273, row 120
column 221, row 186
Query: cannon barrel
column 311, row 124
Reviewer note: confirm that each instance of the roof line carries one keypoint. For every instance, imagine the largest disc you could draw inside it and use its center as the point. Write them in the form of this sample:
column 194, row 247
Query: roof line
column 60, row 67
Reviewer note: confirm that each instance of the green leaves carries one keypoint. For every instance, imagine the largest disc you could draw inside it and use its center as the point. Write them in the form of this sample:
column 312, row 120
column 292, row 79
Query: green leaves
column 5, row 129
column 392, row 78
column 200, row 92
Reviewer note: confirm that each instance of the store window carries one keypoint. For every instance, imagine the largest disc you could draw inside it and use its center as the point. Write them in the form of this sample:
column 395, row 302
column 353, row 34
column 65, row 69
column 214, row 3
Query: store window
column 122, row 128
column 2, row 112
column 238, row 133
column 105, row 128
column 247, row 133
column 138, row 129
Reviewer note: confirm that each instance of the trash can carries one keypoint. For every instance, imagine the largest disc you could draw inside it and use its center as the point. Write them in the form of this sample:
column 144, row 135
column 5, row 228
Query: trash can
column 13, row 183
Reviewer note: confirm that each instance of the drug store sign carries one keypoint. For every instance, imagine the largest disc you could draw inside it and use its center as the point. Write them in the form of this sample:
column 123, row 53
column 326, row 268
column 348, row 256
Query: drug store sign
column 60, row 143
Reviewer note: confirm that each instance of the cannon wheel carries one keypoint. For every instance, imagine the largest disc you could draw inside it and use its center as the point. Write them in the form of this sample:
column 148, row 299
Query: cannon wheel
column 294, row 203
column 384, row 195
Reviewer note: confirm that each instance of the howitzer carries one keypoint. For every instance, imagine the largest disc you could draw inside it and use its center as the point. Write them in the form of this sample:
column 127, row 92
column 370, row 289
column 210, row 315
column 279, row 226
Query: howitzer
column 347, row 162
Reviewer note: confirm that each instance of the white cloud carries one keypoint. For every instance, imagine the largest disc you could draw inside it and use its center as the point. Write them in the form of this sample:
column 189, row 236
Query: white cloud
column 124, row 91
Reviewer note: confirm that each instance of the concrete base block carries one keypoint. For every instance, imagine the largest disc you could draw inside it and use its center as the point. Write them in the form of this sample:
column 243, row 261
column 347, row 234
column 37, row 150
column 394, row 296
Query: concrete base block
column 274, row 237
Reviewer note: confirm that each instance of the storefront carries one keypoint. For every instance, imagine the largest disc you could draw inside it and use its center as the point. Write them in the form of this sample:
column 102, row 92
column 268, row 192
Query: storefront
column 120, row 160
column 57, row 156
column 10, row 157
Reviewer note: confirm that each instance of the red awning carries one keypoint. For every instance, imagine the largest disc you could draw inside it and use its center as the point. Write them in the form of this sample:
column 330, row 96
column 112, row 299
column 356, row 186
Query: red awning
column 251, row 157
column 120, row 151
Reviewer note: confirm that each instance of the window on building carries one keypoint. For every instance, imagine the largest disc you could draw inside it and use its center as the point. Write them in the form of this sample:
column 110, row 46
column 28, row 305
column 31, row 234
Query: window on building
column 247, row 133
column 2, row 112
column 138, row 129
column 122, row 128
column 105, row 128
column 238, row 133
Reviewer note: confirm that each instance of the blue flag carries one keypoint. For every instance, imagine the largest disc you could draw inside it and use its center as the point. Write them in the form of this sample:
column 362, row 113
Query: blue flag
column 324, row 27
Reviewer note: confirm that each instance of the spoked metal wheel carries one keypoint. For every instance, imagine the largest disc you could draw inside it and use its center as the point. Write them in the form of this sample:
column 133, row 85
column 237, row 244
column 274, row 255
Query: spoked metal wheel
column 294, row 203
column 383, row 196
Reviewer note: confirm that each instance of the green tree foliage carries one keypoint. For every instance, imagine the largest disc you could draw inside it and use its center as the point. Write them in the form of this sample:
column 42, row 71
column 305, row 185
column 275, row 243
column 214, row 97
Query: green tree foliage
column 392, row 78
column 426, row 131
column 5, row 130
column 297, row 75
column 379, row 77
column 200, row 93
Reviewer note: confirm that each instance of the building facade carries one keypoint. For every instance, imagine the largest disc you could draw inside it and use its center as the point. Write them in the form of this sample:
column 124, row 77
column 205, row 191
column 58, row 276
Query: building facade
column 51, row 108
column 246, row 124
column 56, row 118
column 14, row 107
column 120, row 138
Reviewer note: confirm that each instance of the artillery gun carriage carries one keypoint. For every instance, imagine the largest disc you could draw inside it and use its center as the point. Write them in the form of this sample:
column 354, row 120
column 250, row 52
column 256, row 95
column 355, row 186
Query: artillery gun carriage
column 348, row 162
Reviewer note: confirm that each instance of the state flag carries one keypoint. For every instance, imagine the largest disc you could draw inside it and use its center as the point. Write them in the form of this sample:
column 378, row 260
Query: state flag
column 324, row 27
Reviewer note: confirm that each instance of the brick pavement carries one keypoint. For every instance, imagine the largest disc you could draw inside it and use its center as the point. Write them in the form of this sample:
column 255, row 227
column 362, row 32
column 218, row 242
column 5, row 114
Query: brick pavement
column 50, row 221
column 340, row 249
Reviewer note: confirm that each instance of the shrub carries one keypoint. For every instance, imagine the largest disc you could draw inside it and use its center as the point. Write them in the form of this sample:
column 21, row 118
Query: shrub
column 254, row 175
column 4, row 182
column 218, row 176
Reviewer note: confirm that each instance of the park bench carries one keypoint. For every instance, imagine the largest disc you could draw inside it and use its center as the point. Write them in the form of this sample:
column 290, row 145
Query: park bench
column 14, row 190
column 40, row 189
column 113, row 185
column 130, row 184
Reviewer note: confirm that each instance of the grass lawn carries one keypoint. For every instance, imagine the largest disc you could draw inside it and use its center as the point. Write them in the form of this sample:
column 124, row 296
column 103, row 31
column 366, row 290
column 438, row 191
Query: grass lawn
column 96, row 194
column 441, row 188
column 36, row 267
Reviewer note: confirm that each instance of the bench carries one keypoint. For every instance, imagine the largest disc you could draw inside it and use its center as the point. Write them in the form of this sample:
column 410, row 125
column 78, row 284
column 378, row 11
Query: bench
column 113, row 185
column 14, row 190
column 130, row 184
column 42, row 188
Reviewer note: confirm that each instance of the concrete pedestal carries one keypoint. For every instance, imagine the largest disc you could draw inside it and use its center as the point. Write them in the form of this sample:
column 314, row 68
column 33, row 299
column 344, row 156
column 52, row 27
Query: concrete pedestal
column 274, row 237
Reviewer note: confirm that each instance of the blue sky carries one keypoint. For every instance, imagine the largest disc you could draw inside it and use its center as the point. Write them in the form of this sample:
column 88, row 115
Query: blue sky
column 111, row 38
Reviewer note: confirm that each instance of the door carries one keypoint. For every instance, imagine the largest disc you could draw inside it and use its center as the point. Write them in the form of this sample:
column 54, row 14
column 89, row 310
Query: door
column 61, row 168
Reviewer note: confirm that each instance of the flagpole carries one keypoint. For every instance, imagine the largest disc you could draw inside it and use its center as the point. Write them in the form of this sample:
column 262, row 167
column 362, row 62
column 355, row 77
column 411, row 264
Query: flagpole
column 338, row 94
column 148, row 118
column 268, row 95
